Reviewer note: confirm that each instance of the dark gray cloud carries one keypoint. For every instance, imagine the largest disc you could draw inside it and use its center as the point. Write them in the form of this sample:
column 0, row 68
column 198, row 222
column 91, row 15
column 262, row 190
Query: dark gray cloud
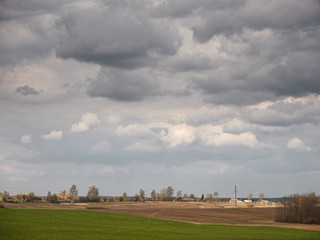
column 118, row 37
column 32, row 5
column 264, row 65
column 259, row 15
column 298, row 77
column 121, row 85
column 27, row 32
column 185, row 8
column 27, row 90
column 190, row 63
column 286, row 112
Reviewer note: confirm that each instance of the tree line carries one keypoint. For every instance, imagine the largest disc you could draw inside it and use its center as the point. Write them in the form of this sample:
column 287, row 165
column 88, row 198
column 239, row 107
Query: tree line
column 298, row 208
column 166, row 194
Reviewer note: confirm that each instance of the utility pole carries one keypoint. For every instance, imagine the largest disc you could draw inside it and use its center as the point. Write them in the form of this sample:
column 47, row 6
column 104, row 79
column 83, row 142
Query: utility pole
column 235, row 195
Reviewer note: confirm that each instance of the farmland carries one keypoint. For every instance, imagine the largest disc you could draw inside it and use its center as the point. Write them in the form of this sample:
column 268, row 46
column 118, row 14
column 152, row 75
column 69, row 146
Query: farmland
column 145, row 221
column 192, row 212
column 64, row 224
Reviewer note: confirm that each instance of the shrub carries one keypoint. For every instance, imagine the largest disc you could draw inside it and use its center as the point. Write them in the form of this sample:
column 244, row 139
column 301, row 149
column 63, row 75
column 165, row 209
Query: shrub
column 250, row 205
column 300, row 209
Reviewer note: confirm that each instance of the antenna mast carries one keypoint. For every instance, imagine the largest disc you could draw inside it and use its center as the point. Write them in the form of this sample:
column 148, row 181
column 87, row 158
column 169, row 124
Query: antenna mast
column 235, row 195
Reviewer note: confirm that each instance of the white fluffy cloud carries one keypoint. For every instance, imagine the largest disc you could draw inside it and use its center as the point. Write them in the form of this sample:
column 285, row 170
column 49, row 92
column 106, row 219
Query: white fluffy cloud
column 214, row 135
column 88, row 120
column 53, row 135
column 134, row 130
column 207, row 134
column 26, row 139
column 298, row 145
column 184, row 134
column 178, row 134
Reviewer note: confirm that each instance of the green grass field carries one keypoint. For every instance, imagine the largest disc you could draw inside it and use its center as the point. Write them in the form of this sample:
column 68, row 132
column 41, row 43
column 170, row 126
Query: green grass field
column 64, row 224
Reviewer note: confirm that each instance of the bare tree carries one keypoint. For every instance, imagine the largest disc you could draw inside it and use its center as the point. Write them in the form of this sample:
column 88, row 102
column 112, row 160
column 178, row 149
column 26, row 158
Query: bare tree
column 49, row 196
column 20, row 197
column 209, row 197
column 125, row 196
column 154, row 195
column 93, row 194
column 163, row 195
column 300, row 209
column 169, row 193
column 166, row 194
column 157, row 196
column 179, row 194
column 30, row 196
column 136, row 197
column 5, row 195
column 73, row 192
column 52, row 198
column 62, row 195
column 261, row 196
column 141, row 194
column 216, row 195
column 250, row 196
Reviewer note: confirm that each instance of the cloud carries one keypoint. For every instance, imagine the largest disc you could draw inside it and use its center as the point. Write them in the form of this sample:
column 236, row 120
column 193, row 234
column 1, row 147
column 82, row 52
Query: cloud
column 116, row 34
column 284, row 112
column 121, row 85
column 101, row 148
column 27, row 90
column 180, row 84
column 178, row 134
column 143, row 147
column 17, row 171
column 53, row 135
column 26, row 139
column 26, row 36
column 236, row 125
column 17, row 8
column 190, row 63
column 107, row 169
column 262, row 66
column 88, row 120
column 10, row 152
column 258, row 15
column 214, row 135
column 298, row 145
column 185, row 8
column 134, row 130
column 184, row 134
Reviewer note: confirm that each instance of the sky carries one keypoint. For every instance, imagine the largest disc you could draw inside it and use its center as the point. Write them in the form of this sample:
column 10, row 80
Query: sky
column 126, row 94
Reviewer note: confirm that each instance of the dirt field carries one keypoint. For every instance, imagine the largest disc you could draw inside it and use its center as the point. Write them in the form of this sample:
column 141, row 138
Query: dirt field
column 197, row 213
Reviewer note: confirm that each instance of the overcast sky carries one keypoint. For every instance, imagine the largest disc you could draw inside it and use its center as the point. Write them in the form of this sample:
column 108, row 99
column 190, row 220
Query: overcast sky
column 198, row 95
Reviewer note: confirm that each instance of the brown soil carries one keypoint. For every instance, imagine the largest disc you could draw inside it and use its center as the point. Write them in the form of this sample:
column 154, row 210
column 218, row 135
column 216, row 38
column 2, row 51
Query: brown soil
column 197, row 213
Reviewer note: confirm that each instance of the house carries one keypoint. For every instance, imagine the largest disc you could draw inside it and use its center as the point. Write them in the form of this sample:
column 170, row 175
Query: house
column 233, row 200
